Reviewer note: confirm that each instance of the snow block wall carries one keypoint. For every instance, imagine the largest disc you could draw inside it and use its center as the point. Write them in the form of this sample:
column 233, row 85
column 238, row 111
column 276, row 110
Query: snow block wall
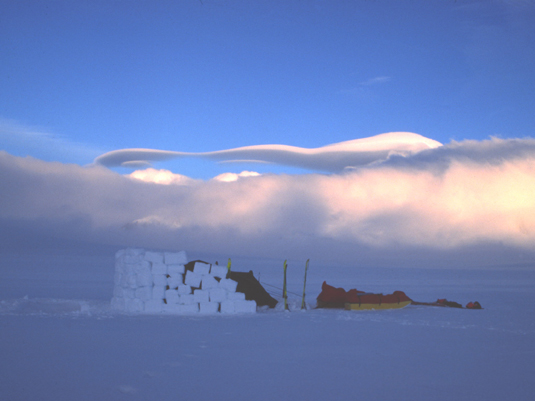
column 158, row 282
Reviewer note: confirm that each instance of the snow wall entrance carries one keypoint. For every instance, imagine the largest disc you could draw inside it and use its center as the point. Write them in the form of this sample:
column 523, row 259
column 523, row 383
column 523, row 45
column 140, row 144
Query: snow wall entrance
column 158, row 283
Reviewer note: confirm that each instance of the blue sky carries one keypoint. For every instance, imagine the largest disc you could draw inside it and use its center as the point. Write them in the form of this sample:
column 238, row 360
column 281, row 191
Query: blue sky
column 202, row 76
column 79, row 79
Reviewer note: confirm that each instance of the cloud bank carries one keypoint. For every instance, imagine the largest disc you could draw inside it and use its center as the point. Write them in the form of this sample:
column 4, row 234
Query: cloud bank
column 440, row 203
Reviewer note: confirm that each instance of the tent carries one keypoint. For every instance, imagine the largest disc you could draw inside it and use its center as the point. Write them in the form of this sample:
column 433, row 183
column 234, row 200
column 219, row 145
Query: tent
column 251, row 287
column 331, row 297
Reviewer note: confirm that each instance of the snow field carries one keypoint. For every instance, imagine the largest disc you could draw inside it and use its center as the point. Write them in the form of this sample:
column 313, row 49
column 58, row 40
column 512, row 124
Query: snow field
column 63, row 342
column 157, row 282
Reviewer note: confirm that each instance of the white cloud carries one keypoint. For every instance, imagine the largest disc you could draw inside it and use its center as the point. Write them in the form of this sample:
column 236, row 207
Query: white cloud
column 230, row 177
column 165, row 177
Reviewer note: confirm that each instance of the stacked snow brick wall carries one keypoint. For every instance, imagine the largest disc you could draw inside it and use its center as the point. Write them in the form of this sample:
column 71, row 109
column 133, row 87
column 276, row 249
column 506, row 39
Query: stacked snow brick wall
column 158, row 283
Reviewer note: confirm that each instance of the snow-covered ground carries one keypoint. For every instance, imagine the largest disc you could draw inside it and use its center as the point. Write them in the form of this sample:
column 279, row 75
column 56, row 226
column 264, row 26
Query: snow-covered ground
column 59, row 340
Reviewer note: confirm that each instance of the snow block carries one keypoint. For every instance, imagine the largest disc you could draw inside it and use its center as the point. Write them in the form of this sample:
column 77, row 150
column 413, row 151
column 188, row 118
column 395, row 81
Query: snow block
column 193, row 279
column 208, row 307
column 171, row 296
column 159, row 279
column 127, row 269
column 133, row 255
column 129, row 293
column 184, row 289
column 118, row 292
column 219, row 271
column 208, row 282
column 187, row 299
column 139, row 268
column 118, row 274
column 159, row 268
column 131, row 280
column 201, row 268
column 158, row 292
column 118, row 304
column 154, row 306
column 123, row 280
column 133, row 267
column 144, row 293
column 201, row 296
column 172, row 309
column 228, row 284
column 227, row 307
column 235, row 296
column 134, row 305
column 175, row 258
column 154, row 257
column 176, row 269
column 174, row 280
column 218, row 295
column 245, row 306
column 144, row 279
column 188, row 308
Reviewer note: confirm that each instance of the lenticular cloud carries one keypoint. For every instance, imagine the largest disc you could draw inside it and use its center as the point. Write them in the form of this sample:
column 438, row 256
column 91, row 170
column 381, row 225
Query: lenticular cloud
column 330, row 158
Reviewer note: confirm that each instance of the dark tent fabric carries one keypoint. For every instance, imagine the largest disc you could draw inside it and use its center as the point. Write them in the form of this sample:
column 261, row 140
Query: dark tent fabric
column 248, row 284
column 251, row 287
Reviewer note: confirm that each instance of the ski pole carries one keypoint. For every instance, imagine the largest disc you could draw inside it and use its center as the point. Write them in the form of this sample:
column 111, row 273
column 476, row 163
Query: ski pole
column 284, row 291
column 303, row 305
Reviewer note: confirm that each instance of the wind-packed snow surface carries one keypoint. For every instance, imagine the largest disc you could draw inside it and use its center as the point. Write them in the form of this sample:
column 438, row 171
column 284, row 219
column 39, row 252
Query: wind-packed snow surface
column 60, row 340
